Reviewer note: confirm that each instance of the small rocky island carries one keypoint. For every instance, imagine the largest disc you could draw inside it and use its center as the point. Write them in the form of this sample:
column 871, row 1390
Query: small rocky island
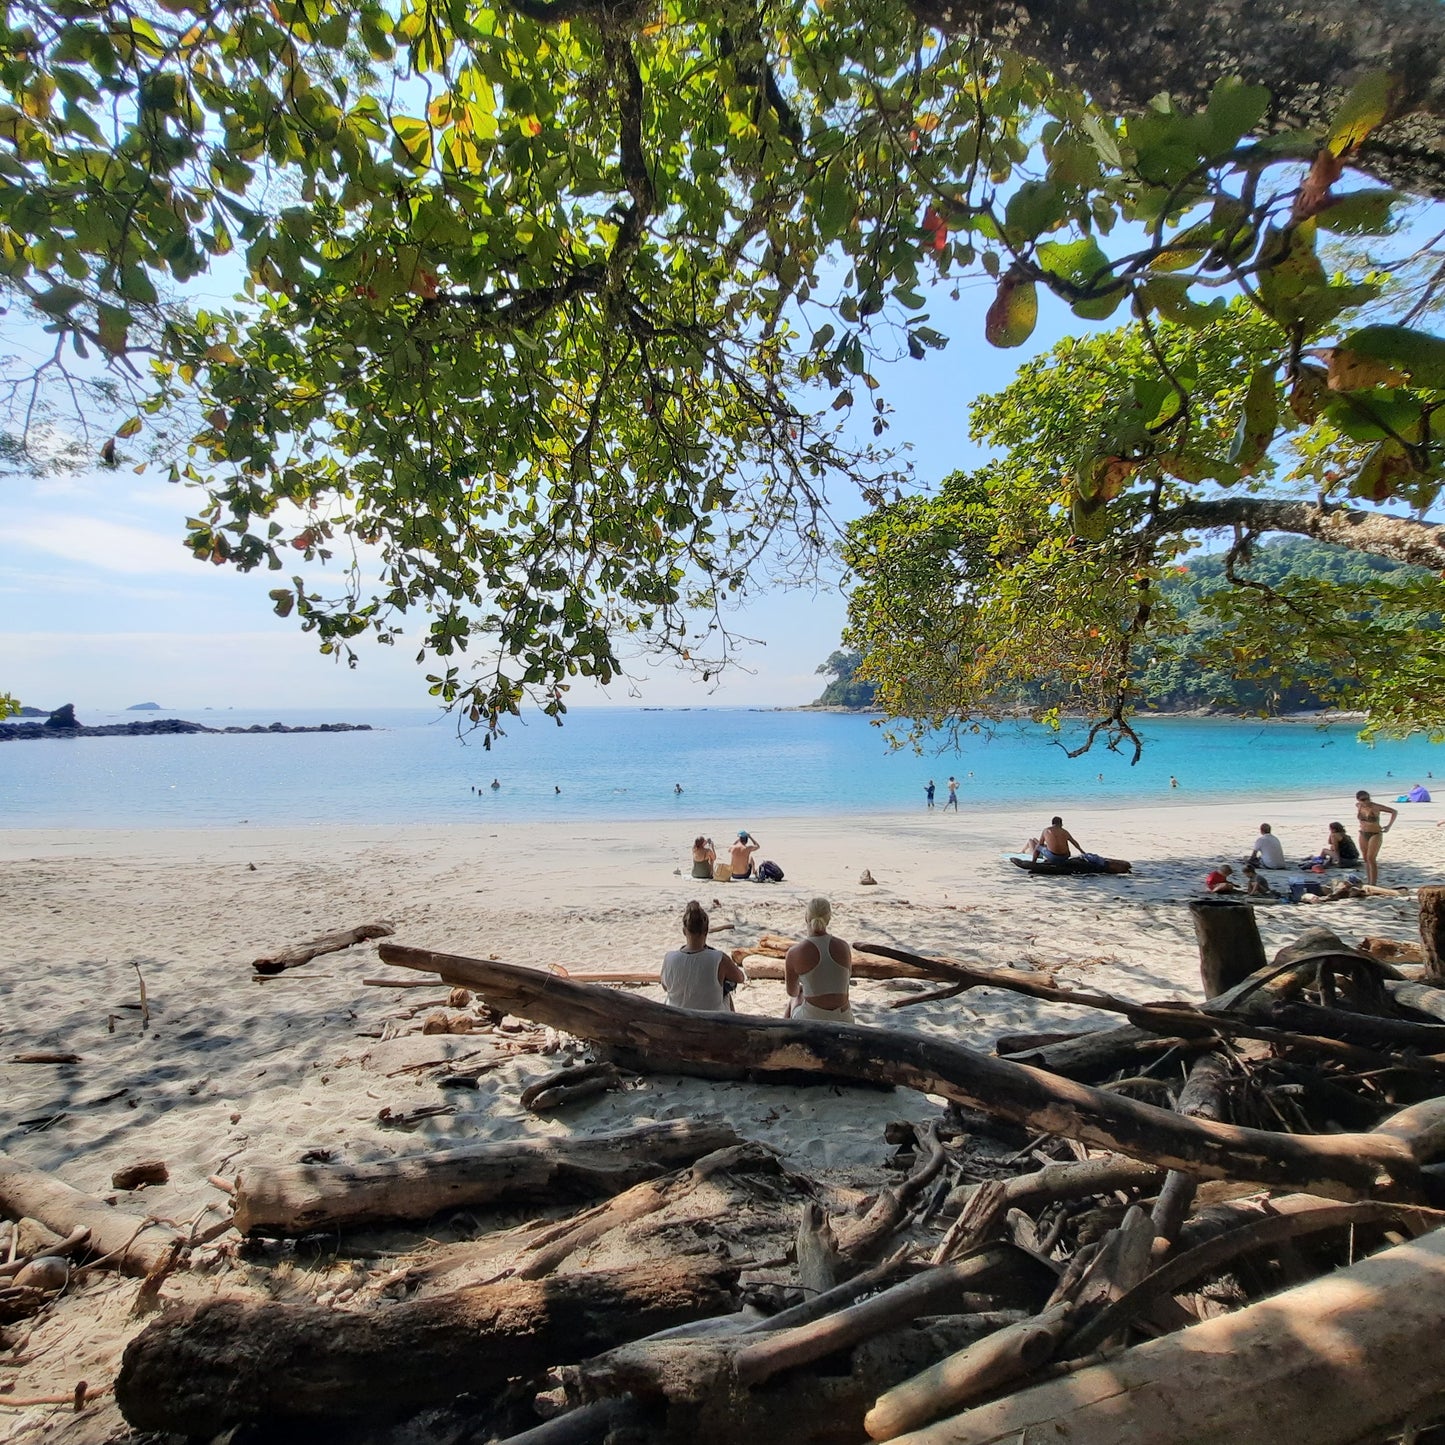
column 63, row 723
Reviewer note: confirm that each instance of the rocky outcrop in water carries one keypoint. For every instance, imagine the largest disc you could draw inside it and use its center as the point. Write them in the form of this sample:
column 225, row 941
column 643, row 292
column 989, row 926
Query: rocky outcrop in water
column 63, row 723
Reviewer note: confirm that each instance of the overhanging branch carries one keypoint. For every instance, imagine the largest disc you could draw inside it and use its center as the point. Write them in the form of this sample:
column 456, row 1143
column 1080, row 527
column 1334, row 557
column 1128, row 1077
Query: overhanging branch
column 1398, row 539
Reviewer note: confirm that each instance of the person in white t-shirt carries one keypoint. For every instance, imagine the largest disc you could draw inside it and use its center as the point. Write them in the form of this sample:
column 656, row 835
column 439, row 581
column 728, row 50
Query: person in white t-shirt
column 696, row 976
column 1268, row 850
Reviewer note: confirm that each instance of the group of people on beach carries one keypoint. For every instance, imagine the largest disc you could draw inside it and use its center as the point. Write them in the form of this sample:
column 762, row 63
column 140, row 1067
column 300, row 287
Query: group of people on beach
column 740, row 861
column 816, row 970
column 1373, row 820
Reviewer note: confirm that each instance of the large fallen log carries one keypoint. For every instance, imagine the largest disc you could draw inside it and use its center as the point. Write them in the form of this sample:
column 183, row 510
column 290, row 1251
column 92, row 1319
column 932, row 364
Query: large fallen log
column 292, row 1199
column 129, row 1243
column 678, row 1041
column 200, row 1370
column 300, row 953
column 1302, row 1368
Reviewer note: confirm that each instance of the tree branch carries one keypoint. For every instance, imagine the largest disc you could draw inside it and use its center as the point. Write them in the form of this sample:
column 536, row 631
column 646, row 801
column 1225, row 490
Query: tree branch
column 1398, row 539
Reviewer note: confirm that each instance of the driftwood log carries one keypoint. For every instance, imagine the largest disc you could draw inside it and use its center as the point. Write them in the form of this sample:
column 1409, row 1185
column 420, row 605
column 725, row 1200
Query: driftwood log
column 1305, row 1365
column 677, row 1041
column 1432, row 934
column 200, row 1370
column 130, row 1244
column 1230, row 948
column 996, row 1360
column 1102, row 1052
column 300, row 953
column 296, row 1199
column 1423, row 998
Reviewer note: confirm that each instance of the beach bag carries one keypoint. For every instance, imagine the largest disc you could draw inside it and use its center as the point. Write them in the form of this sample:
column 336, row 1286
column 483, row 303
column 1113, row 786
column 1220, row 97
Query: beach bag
column 769, row 872
column 722, row 872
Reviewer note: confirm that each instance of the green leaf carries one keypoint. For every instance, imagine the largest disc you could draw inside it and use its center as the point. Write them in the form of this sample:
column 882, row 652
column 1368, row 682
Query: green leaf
column 1235, row 109
column 1258, row 421
column 1359, row 213
column 1384, row 355
column 1364, row 108
column 1380, row 476
column 1014, row 313
column 1036, row 207
column 414, row 139
column 113, row 328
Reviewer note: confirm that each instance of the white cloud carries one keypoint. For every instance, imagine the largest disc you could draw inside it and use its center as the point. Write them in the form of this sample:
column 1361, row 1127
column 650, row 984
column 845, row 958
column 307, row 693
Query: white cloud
column 110, row 546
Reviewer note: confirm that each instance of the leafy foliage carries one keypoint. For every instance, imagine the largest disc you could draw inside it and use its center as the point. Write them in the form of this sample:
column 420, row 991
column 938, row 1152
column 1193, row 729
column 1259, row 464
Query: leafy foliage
column 1373, row 608
column 552, row 312
column 990, row 598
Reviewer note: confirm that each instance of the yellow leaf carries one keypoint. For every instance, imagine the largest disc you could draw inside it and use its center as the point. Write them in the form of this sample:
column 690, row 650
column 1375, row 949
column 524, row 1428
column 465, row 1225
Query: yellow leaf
column 129, row 428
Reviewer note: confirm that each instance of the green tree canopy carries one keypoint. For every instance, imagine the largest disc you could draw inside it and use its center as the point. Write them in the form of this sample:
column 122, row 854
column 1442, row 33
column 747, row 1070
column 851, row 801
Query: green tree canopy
column 1049, row 581
column 553, row 309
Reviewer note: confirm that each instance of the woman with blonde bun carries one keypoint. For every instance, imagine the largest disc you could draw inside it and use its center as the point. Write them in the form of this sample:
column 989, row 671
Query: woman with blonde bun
column 817, row 970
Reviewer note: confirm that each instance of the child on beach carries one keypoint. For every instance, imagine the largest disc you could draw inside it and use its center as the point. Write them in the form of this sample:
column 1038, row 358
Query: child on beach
column 1220, row 880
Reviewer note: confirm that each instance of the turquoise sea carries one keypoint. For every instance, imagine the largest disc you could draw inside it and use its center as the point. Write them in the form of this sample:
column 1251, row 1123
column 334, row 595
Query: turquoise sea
column 624, row 763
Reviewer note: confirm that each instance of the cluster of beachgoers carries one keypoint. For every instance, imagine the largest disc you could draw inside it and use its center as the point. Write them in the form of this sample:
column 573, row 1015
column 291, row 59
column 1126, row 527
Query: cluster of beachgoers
column 1339, row 850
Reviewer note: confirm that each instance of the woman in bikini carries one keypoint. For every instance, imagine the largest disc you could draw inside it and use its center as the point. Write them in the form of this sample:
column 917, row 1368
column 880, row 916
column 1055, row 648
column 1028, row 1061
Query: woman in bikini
column 1372, row 831
column 817, row 969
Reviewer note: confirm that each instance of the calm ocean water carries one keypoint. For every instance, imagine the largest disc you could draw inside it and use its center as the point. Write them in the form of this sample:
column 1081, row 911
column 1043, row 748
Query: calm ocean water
column 623, row 763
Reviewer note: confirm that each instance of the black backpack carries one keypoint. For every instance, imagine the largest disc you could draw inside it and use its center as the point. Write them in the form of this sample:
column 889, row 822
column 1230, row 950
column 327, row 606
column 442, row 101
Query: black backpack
column 769, row 872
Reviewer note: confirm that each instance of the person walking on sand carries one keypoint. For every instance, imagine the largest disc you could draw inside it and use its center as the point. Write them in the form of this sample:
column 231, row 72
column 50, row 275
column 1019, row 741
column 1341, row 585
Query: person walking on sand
column 817, row 969
column 696, row 976
column 952, row 794
column 928, row 793
column 1372, row 832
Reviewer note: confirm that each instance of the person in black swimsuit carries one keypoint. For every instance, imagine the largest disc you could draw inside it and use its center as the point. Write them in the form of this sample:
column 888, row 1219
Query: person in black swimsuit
column 1372, row 831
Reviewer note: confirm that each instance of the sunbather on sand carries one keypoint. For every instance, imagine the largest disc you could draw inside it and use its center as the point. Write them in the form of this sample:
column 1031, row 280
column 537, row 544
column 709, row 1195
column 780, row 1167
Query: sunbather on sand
column 817, row 969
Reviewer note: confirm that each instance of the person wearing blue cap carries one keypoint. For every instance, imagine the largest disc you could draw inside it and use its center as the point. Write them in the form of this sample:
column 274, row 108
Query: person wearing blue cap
column 741, row 855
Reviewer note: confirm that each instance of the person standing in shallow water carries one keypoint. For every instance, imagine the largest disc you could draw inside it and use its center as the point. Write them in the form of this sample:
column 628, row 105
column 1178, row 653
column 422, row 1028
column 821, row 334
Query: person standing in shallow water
column 928, row 792
column 1372, row 832
column 952, row 794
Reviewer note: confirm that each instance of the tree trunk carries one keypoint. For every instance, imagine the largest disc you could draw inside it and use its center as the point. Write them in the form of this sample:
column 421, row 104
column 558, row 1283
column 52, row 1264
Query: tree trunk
column 296, row 1199
column 676, row 1041
column 1230, row 948
column 200, row 1370
column 1301, row 1368
column 136, row 1245
column 1432, row 934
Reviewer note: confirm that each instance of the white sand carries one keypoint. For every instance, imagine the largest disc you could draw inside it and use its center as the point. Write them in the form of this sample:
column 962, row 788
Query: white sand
column 232, row 1072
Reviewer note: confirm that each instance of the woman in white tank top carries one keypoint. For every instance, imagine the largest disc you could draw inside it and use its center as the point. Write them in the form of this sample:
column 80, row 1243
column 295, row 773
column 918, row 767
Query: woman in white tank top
column 817, row 971
column 696, row 976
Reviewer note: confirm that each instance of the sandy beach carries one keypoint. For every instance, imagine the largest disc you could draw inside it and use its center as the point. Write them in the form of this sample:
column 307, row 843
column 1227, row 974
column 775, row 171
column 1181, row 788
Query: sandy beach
column 232, row 1072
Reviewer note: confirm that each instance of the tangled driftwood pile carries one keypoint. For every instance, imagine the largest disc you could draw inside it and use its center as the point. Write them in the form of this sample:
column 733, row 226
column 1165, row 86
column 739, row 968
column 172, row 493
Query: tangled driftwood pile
column 1209, row 1222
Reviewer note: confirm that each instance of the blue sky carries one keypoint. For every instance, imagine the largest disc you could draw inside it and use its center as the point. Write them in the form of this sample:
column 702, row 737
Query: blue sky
column 105, row 607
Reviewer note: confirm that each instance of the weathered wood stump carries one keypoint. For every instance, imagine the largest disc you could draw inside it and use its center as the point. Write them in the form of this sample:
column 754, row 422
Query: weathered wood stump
column 1230, row 948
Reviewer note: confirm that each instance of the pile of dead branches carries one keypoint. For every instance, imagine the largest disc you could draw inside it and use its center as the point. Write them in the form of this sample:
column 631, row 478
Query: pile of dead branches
column 1213, row 1221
